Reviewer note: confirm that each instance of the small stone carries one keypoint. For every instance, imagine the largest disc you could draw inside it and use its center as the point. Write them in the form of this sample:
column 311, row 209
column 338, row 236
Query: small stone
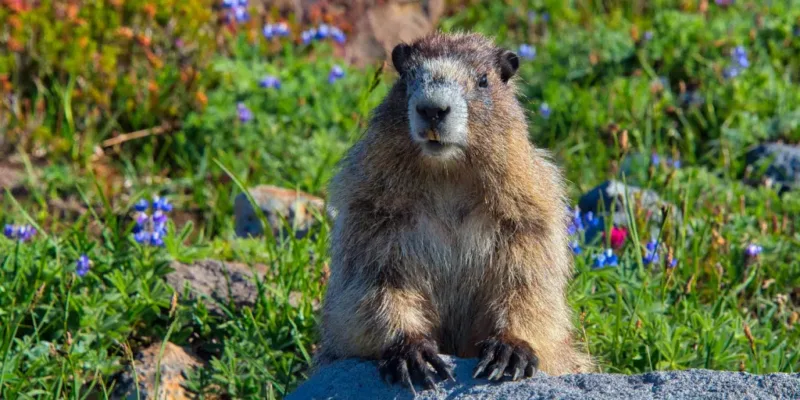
column 298, row 208
column 777, row 164
column 176, row 363
column 218, row 283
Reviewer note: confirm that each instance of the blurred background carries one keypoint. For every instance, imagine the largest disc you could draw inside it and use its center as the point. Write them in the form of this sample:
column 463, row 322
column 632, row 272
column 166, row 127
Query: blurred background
column 163, row 167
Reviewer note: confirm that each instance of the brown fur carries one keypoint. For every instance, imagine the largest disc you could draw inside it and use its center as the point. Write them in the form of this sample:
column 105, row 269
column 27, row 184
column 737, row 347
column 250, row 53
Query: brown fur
column 459, row 251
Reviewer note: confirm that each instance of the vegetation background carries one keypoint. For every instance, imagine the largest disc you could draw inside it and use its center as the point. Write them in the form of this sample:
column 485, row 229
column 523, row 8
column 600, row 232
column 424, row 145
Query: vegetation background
column 105, row 103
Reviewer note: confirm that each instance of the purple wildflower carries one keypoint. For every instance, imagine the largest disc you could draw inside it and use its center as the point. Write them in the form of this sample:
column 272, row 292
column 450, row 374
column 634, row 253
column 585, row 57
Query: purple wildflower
column 531, row 16
column 739, row 55
column 161, row 204
column 731, row 72
column 228, row 3
column 723, row 2
column 10, row 231
column 648, row 35
column 25, row 233
column 605, row 259
column 281, row 29
column 753, row 250
column 157, row 239
column 241, row 14
column 268, row 31
column 141, row 205
column 269, row 82
column 308, row 36
column 544, row 110
column 338, row 36
column 527, row 52
column 82, row 265
column 655, row 159
column 576, row 223
column 243, row 3
column 151, row 229
column 576, row 247
column 336, row 73
column 244, row 113
column 546, row 16
column 323, row 31
column 651, row 255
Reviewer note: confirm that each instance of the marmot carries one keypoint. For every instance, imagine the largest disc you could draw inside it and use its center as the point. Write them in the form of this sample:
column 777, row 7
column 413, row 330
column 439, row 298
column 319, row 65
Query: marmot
column 451, row 227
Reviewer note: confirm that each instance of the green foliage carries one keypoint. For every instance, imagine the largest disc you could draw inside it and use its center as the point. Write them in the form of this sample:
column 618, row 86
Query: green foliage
column 615, row 93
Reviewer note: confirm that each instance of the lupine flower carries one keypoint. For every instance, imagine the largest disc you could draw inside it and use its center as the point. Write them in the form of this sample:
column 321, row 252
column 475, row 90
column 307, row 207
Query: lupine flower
column 605, row 259
column 151, row 229
column 10, row 231
column 648, row 35
column 268, row 31
column 651, row 255
column 323, row 31
column 338, row 36
column 336, row 73
column 281, row 29
column 753, row 250
column 141, row 205
column 576, row 223
column 723, row 2
column 308, row 35
column 161, row 204
column 544, row 110
column 739, row 55
column 546, row 16
column 527, row 52
column 269, row 82
column 676, row 163
column 655, row 159
column 244, row 113
column 531, row 16
column 243, row 2
column 576, row 247
column 22, row 233
column 228, row 3
column 82, row 265
column 241, row 14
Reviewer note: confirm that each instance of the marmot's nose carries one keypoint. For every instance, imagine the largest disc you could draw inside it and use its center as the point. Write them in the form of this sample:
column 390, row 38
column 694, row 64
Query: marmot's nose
column 433, row 114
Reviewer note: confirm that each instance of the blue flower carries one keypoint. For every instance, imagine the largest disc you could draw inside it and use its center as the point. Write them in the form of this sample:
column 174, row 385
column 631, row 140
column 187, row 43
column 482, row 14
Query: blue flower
column 576, row 223
column 281, row 29
column 241, row 14
column 731, row 72
column 648, row 35
column 605, row 259
column 323, row 31
column 10, row 231
column 25, row 233
column 157, row 239
column 228, row 3
column 336, row 73
column 244, row 113
column 268, row 31
column 243, row 2
column 576, row 247
column 269, row 82
column 651, row 255
column 753, row 250
column 142, row 237
column 544, row 110
column 655, row 159
column 161, row 204
column 531, row 16
column 546, row 16
column 308, row 36
column 82, row 265
column 151, row 229
column 338, row 36
column 141, row 205
column 527, row 52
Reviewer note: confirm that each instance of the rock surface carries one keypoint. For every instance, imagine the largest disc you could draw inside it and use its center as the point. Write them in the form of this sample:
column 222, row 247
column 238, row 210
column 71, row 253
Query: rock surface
column 176, row 362
column 296, row 207
column 779, row 162
column 352, row 379
column 608, row 199
column 217, row 283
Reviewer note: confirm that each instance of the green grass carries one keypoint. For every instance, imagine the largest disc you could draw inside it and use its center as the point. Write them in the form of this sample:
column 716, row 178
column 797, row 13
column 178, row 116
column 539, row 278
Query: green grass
column 64, row 336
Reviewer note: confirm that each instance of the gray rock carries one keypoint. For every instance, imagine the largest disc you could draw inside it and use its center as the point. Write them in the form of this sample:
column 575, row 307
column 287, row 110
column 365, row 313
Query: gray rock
column 175, row 363
column 354, row 379
column 218, row 283
column 775, row 164
column 608, row 199
column 298, row 209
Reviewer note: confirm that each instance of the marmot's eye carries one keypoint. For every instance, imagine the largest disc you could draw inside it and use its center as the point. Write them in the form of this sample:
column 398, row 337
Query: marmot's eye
column 483, row 81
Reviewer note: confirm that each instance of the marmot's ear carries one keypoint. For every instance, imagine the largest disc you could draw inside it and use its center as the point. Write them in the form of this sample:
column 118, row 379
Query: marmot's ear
column 509, row 64
column 400, row 55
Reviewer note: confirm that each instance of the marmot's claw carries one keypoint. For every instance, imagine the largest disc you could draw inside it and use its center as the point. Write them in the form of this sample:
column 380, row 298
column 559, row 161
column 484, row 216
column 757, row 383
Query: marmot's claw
column 410, row 362
column 505, row 356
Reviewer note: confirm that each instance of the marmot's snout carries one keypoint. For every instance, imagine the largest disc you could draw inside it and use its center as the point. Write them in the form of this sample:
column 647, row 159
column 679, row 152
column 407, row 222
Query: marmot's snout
column 437, row 114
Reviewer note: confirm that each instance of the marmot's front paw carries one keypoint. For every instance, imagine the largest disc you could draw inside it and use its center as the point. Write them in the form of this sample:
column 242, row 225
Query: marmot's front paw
column 407, row 362
column 499, row 356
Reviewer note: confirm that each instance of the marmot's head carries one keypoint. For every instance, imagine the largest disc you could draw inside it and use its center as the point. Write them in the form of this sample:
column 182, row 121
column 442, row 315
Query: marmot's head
column 458, row 89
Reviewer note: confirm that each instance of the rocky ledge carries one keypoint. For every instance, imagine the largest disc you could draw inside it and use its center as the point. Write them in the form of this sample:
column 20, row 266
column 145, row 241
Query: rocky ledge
column 353, row 379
